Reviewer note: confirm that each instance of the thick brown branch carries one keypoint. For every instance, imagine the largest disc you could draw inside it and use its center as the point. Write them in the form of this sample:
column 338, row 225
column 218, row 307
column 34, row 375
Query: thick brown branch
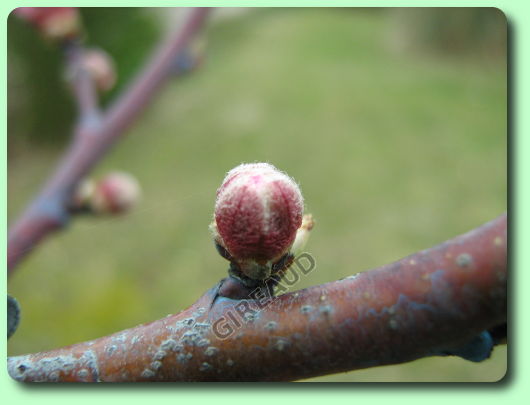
column 92, row 140
column 423, row 304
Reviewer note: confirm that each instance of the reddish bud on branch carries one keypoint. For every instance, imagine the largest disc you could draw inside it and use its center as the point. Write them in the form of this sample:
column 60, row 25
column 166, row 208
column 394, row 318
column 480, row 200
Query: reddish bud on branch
column 100, row 66
column 257, row 214
column 56, row 23
column 115, row 193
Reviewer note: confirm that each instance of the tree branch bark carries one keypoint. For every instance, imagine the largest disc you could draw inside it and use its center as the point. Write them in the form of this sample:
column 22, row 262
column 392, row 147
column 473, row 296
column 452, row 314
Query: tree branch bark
column 92, row 139
column 426, row 303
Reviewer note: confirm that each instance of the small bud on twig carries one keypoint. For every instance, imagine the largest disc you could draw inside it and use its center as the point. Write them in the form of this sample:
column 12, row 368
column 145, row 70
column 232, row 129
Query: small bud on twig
column 257, row 214
column 56, row 23
column 116, row 193
column 100, row 66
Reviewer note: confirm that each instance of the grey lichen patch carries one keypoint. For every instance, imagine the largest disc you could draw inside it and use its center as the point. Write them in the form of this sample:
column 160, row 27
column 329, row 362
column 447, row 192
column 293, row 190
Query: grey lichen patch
column 202, row 326
column 121, row 337
column 22, row 368
column 305, row 309
column 168, row 345
column 183, row 323
column 148, row 373
column 271, row 325
column 83, row 373
column 155, row 365
column 135, row 339
column 188, row 321
column 190, row 337
column 230, row 362
column 393, row 324
column 194, row 336
column 464, row 260
column 326, row 309
column 205, row 367
column 184, row 357
column 249, row 317
column 281, row 344
column 178, row 347
column 203, row 342
column 211, row 351
column 54, row 376
column 111, row 349
column 199, row 312
column 159, row 355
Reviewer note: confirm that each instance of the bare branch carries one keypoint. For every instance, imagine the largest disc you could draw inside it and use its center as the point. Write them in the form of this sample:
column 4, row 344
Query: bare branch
column 428, row 302
column 48, row 212
column 83, row 86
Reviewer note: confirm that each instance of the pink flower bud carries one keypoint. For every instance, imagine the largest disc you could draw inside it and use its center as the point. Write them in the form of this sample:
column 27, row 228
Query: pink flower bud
column 115, row 193
column 100, row 66
column 52, row 22
column 257, row 213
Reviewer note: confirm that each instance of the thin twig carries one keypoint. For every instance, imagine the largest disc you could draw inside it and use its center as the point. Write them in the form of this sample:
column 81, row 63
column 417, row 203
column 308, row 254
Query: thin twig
column 93, row 138
column 424, row 304
column 83, row 86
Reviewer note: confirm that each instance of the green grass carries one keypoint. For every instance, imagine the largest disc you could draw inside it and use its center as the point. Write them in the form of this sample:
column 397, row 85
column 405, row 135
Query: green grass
column 394, row 153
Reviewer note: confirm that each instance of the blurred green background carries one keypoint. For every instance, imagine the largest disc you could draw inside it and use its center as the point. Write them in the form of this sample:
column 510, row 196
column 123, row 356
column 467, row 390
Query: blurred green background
column 393, row 121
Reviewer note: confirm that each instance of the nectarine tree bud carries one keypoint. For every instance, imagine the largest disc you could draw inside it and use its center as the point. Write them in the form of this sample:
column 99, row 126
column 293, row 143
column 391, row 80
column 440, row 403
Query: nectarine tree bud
column 258, row 211
column 115, row 193
column 57, row 23
column 100, row 66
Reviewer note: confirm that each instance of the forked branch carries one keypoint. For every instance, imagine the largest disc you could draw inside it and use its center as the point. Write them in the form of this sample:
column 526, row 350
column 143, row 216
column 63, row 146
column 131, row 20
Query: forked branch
column 93, row 136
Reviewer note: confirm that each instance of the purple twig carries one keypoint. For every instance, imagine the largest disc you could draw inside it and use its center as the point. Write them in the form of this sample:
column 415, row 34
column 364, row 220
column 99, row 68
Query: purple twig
column 93, row 138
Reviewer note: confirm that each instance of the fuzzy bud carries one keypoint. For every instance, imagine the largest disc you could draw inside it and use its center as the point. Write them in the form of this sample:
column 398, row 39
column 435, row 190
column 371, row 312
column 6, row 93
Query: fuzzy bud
column 56, row 23
column 257, row 214
column 116, row 193
column 100, row 66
